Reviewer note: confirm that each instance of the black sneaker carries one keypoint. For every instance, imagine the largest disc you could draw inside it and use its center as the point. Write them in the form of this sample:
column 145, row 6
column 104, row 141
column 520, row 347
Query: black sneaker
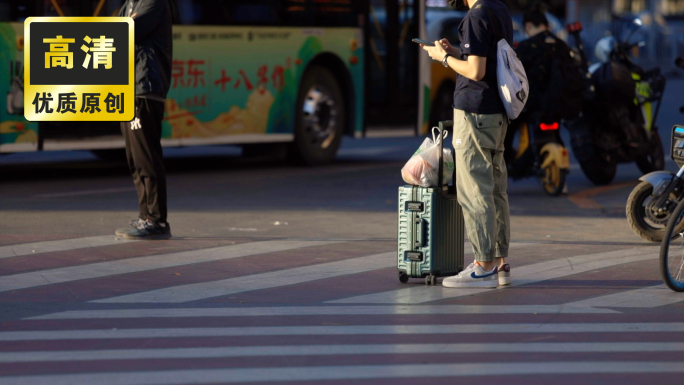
column 150, row 230
column 132, row 226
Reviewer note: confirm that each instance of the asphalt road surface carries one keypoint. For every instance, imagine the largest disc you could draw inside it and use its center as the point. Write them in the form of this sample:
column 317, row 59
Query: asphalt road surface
column 282, row 274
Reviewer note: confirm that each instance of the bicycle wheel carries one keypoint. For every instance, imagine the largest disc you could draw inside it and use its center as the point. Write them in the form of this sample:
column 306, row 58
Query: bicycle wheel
column 672, row 251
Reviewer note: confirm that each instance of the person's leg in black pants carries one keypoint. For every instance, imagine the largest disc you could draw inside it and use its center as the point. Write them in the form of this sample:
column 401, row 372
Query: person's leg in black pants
column 146, row 163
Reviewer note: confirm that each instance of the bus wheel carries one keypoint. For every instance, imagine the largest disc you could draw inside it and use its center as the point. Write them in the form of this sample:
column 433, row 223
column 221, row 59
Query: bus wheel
column 320, row 118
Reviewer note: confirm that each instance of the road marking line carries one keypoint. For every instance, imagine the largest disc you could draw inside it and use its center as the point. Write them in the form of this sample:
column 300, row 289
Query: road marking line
column 583, row 199
column 321, row 310
column 317, row 350
column 328, row 373
column 85, row 192
column 204, row 290
column 523, row 275
column 134, row 265
column 49, row 335
column 21, row 249
column 646, row 297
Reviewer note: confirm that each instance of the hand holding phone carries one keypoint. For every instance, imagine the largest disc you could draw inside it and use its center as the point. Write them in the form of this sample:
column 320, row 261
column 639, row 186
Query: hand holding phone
column 423, row 42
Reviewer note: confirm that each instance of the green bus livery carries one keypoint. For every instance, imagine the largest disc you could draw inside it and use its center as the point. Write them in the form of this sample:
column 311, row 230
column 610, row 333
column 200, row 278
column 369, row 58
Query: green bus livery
column 244, row 72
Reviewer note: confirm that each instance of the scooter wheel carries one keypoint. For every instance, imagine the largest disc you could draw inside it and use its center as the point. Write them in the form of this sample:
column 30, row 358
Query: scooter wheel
column 553, row 180
column 647, row 223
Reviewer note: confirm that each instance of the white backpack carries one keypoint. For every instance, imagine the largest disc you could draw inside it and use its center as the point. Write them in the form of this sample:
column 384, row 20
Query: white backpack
column 510, row 74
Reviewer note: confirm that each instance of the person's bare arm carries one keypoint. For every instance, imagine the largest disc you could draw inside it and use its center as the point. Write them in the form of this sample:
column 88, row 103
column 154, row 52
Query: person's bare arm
column 473, row 68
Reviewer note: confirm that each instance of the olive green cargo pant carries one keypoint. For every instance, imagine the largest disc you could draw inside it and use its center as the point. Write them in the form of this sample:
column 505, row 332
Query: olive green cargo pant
column 481, row 180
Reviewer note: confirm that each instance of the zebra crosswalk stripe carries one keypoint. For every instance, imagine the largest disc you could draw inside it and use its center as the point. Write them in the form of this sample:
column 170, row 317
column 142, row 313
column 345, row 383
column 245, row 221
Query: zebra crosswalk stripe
column 328, row 373
column 133, row 265
column 203, row 290
column 321, row 311
column 522, row 275
column 536, row 273
column 652, row 296
column 21, row 249
column 342, row 330
column 316, row 350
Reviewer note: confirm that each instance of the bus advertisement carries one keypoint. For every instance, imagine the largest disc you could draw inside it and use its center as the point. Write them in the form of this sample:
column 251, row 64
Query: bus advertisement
column 244, row 72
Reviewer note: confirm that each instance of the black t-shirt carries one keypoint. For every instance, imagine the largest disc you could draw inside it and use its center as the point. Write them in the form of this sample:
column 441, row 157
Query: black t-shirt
column 478, row 37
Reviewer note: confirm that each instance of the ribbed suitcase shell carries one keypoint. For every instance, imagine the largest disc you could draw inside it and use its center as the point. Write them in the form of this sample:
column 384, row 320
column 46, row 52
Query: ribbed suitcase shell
column 435, row 233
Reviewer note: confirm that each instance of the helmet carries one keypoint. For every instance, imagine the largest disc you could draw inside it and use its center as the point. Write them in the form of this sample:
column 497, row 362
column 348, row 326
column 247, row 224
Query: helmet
column 604, row 47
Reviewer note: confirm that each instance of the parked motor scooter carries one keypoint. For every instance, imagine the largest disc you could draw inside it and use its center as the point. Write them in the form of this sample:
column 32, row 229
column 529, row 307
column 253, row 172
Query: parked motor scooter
column 651, row 203
column 620, row 107
column 534, row 149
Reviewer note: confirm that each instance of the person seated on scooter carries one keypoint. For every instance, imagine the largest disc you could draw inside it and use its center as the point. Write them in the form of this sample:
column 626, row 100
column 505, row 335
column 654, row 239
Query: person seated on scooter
column 537, row 55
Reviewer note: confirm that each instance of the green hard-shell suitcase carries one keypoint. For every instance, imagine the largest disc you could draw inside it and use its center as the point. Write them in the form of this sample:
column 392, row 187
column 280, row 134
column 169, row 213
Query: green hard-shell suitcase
column 431, row 229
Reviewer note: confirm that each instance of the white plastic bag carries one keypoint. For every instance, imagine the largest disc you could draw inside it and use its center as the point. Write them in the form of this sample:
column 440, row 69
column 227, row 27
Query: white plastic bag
column 423, row 167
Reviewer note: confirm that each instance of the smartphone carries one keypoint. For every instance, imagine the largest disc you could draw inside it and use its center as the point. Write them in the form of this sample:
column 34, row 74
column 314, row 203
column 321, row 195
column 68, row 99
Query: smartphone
column 423, row 42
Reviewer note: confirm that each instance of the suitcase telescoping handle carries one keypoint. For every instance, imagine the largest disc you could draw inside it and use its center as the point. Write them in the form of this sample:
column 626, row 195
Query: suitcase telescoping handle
column 440, row 178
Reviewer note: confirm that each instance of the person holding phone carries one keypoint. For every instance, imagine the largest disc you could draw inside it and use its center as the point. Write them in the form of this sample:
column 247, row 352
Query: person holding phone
column 480, row 124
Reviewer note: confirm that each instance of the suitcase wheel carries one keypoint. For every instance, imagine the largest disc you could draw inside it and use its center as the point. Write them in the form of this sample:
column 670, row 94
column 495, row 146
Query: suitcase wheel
column 431, row 280
column 403, row 277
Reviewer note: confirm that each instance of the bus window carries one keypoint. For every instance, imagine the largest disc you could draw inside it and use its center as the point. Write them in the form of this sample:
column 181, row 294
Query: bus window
column 83, row 7
column 324, row 13
column 296, row 13
column 6, row 11
column 230, row 12
column 17, row 10
column 250, row 13
column 299, row 13
column 66, row 8
column 393, row 61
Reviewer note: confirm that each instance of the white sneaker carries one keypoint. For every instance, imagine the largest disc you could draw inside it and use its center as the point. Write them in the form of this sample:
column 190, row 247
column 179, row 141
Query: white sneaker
column 505, row 275
column 473, row 276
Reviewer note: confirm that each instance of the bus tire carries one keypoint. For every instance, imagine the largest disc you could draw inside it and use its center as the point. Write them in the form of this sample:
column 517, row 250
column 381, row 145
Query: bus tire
column 320, row 118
